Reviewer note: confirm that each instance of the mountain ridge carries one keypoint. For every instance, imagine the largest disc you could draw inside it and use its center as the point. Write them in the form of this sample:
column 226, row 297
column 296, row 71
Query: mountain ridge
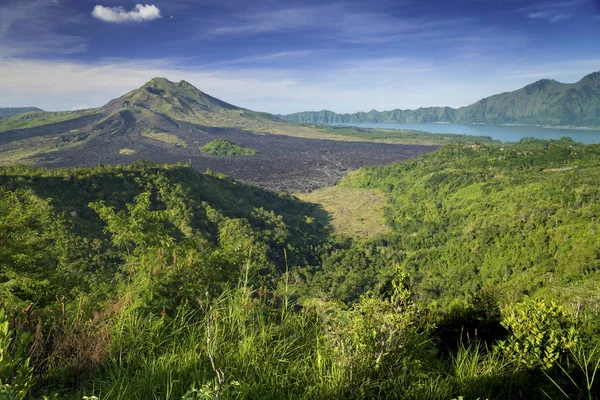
column 545, row 102
column 10, row 111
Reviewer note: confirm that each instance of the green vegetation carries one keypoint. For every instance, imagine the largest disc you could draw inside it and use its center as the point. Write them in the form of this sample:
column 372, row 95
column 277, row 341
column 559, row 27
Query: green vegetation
column 25, row 151
column 422, row 115
column 40, row 118
column 147, row 281
column 222, row 147
column 481, row 215
column 10, row 111
column 546, row 102
column 354, row 212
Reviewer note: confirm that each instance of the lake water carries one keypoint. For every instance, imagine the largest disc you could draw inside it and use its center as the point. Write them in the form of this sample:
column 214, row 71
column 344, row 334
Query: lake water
column 499, row 132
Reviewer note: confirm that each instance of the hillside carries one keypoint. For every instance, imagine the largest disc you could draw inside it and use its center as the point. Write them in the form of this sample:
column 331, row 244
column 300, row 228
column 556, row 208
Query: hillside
column 421, row 115
column 169, row 122
column 51, row 206
column 517, row 217
column 147, row 281
column 546, row 102
column 10, row 111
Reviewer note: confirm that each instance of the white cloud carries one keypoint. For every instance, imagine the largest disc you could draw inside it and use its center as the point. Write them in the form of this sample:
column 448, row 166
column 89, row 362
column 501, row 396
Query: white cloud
column 80, row 107
column 550, row 16
column 118, row 15
column 554, row 11
column 330, row 21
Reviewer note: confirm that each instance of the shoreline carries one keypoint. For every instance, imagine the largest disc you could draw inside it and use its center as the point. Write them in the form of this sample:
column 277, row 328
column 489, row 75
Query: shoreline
column 567, row 127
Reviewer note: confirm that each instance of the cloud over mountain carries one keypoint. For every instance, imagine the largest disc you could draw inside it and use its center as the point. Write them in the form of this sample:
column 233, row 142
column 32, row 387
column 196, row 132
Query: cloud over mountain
column 118, row 15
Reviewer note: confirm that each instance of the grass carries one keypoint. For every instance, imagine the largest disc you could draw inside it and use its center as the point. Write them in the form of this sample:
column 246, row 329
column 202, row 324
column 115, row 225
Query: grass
column 35, row 119
column 354, row 212
column 236, row 346
column 126, row 152
column 163, row 136
column 222, row 147
column 25, row 151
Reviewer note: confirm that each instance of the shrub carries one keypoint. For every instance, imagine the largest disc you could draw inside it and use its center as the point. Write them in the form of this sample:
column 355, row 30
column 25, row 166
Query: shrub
column 16, row 376
column 222, row 147
column 540, row 333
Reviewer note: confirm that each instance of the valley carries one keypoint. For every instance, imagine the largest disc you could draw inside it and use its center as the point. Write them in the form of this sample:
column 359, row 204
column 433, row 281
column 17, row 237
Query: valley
column 394, row 277
column 174, row 227
column 143, row 237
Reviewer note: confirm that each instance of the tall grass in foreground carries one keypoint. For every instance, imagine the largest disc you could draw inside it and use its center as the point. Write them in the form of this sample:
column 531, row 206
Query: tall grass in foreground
column 243, row 344
column 578, row 378
column 257, row 344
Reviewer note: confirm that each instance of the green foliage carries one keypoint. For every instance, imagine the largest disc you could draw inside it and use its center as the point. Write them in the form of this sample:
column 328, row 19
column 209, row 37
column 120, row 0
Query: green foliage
column 40, row 118
column 540, row 333
column 138, row 228
column 478, row 373
column 222, row 147
column 163, row 282
column 519, row 217
column 66, row 231
column 578, row 378
column 242, row 344
column 380, row 330
column 16, row 375
column 35, row 246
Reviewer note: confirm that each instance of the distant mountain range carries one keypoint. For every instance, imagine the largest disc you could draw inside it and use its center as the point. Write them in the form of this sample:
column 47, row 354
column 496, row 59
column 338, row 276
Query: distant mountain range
column 545, row 102
column 10, row 111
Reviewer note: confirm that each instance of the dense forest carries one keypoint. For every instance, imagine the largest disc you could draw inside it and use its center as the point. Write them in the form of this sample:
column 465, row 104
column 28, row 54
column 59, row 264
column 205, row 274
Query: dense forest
column 160, row 282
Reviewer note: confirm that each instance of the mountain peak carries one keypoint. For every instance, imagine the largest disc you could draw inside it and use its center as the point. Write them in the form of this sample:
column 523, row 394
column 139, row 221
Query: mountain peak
column 594, row 77
column 539, row 86
column 158, row 79
column 180, row 100
column 183, row 83
column 165, row 84
column 161, row 82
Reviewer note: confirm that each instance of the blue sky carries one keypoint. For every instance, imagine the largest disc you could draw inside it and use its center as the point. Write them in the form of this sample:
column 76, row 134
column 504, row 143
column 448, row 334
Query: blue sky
column 287, row 56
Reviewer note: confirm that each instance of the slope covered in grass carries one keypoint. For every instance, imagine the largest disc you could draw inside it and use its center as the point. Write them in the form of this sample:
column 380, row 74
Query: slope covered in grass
column 10, row 111
column 354, row 212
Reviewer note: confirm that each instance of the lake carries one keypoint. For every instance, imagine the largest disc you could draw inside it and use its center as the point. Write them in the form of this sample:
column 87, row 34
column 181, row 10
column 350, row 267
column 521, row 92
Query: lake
column 499, row 132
